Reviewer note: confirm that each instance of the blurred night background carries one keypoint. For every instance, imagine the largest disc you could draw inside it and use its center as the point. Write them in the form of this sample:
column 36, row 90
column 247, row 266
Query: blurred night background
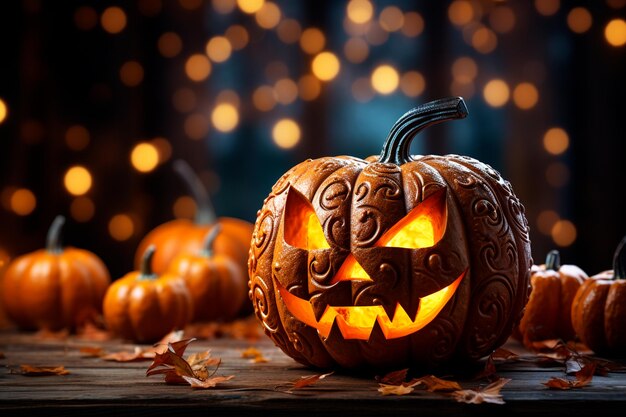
column 97, row 99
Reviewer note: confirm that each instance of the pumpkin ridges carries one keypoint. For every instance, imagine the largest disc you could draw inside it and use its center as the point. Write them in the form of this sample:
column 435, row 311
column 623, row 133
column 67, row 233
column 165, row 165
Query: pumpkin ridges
column 614, row 312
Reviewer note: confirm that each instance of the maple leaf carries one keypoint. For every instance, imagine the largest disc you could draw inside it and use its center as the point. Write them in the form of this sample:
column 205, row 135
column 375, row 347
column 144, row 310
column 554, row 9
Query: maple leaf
column 193, row 370
column 390, row 389
column 206, row 383
column 254, row 355
column 393, row 378
column 302, row 382
column 29, row 370
column 489, row 394
column 583, row 378
column 91, row 352
column 434, row 384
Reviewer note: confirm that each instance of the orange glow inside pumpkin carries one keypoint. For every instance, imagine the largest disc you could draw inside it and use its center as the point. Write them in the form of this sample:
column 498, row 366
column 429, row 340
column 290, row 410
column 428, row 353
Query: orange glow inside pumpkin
column 303, row 229
column 357, row 322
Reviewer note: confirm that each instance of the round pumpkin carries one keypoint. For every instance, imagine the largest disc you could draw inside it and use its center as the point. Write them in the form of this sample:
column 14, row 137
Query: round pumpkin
column 392, row 261
column 55, row 287
column 548, row 311
column 143, row 306
column 184, row 236
column 599, row 308
column 218, row 286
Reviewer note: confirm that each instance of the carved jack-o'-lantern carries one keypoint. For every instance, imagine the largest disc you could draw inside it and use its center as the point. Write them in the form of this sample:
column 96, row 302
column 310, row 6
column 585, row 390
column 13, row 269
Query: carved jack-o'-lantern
column 391, row 261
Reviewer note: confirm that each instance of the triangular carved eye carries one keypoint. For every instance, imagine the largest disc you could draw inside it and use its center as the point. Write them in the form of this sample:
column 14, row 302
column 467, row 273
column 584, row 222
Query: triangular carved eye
column 302, row 227
column 423, row 227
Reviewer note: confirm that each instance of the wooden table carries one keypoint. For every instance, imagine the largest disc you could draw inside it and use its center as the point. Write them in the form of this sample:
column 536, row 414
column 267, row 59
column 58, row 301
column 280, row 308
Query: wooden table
column 98, row 387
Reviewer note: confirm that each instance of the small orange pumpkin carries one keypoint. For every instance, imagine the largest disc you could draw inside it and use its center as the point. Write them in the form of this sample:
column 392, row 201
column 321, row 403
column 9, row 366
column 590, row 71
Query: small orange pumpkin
column 55, row 287
column 218, row 286
column 599, row 308
column 548, row 311
column 145, row 307
column 183, row 236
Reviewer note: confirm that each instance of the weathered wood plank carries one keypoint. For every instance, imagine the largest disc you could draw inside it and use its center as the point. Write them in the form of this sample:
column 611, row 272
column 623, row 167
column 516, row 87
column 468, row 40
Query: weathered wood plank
column 98, row 387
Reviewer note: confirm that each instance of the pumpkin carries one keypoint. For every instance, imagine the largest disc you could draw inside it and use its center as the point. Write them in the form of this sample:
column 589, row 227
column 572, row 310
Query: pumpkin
column 55, row 287
column 599, row 308
column 392, row 261
column 144, row 307
column 548, row 311
column 184, row 236
column 218, row 286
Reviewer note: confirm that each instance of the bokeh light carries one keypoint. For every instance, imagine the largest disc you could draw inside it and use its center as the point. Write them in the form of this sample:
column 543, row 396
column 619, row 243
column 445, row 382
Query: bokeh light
column 144, row 157
column 225, row 117
column 224, row 6
column 121, row 227
column 23, row 201
column 325, row 66
column 184, row 207
column 85, row 18
column 113, row 20
column 285, row 91
column 385, row 79
column 391, row 19
column 464, row 70
column 131, row 73
column 615, row 32
column 198, row 67
column 3, row 110
column 77, row 180
column 196, row 126
column 163, row 147
column 289, row 31
column 169, row 44
column 547, row 7
column 218, row 49
column 286, row 133
column 525, row 96
column 413, row 24
column 496, row 93
column 412, row 83
column 360, row 11
column 238, row 37
column 502, row 19
column 82, row 209
column 555, row 141
column 460, row 12
column 263, row 98
column 546, row 221
column 579, row 20
column 564, row 233
column 356, row 50
column 250, row 6
column 77, row 137
column 309, row 87
column 268, row 16
column 312, row 40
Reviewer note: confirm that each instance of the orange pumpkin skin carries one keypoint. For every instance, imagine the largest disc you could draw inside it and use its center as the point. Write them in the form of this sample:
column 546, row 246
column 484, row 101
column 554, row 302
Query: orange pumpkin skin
column 55, row 288
column 483, row 244
column 599, row 308
column 144, row 307
column 548, row 311
column 217, row 285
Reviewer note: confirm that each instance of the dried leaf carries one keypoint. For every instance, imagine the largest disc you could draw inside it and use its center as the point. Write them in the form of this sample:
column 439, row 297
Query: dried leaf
column 489, row 394
column 91, row 352
column 254, row 355
column 139, row 354
column 390, row 389
column 92, row 332
column 434, row 384
column 29, row 370
column 489, row 372
column 504, row 355
column 393, row 378
column 207, row 383
column 583, row 378
column 307, row 381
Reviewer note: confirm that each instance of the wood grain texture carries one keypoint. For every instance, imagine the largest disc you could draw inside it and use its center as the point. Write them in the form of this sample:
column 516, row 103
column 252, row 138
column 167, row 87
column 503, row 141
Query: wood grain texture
column 95, row 387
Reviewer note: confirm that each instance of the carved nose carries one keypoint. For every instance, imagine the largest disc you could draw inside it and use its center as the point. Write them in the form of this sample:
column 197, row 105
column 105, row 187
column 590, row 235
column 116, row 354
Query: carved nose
column 351, row 270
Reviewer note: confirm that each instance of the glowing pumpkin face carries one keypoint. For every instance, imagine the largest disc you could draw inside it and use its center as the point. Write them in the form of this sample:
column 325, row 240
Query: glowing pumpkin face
column 391, row 261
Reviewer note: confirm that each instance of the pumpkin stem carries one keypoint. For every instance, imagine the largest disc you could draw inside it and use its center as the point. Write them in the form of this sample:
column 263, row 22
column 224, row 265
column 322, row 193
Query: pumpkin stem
column 205, row 213
column 397, row 147
column 145, row 270
column 553, row 260
column 207, row 245
column 619, row 260
column 53, row 240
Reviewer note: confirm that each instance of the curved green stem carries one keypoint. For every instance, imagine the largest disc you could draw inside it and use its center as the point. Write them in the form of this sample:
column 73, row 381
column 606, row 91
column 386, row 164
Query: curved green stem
column 209, row 239
column 53, row 240
column 619, row 260
column 205, row 213
column 145, row 270
column 397, row 147
column 553, row 260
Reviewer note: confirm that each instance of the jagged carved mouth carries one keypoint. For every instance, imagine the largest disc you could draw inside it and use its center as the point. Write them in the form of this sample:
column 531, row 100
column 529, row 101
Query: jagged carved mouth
column 357, row 322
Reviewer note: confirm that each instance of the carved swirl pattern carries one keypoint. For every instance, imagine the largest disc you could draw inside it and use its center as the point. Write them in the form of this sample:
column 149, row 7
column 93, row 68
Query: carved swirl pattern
column 369, row 226
column 384, row 291
column 385, row 178
column 321, row 268
column 262, row 304
column 433, row 267
column 499, row 256
column 491, row 303
column 334, row 195
column 261, row 237
column 301, row 344
column 444, row 333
